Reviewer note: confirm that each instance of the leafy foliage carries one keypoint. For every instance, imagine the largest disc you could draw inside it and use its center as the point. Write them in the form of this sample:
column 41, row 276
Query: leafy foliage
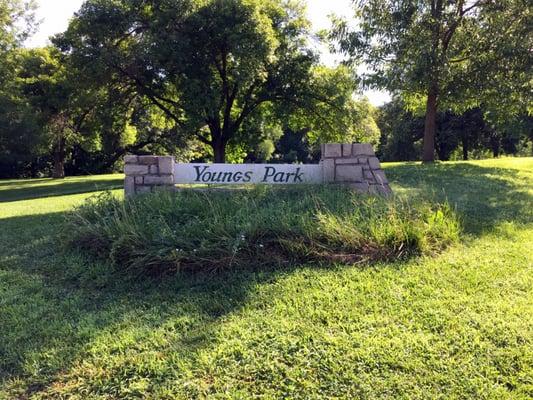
column 471, row 134
column 456, row 55
column 401, row 132
column 18, row 142
column 237, row 80
column 17, row 22
column 209, row 67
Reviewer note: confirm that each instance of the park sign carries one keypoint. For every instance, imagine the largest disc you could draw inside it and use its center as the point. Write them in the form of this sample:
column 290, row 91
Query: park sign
column 353, row 164
column 235, row 174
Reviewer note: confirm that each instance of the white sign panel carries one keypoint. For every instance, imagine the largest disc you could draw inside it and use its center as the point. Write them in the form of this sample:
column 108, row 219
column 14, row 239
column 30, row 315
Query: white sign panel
column 235, row 174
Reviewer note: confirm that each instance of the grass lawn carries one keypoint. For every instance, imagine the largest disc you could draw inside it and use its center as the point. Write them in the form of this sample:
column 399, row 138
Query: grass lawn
column 459, row 325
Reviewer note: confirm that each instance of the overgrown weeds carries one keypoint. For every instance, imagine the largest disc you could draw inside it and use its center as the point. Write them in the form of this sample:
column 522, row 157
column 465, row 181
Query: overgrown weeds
column 192, row 230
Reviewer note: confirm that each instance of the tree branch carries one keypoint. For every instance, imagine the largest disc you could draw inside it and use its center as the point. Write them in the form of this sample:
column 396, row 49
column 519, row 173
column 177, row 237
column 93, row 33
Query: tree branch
column 149, row 93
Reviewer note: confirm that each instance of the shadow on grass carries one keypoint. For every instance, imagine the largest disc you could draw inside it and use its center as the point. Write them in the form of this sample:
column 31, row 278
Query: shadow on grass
column 8, row 183
column 484, row 197
column 21, row 190
column 56, row 308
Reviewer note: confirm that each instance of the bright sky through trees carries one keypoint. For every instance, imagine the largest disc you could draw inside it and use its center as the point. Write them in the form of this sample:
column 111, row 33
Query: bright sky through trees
column 55, row 14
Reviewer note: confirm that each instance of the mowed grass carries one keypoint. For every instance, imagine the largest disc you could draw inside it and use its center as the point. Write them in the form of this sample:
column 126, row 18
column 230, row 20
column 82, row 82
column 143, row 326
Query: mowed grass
column 458, row 325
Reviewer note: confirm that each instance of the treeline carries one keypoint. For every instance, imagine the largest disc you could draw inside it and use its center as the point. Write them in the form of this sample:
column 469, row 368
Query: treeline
column 53, row 122
column 473, row 134
column 236, row 81
column 220, row 80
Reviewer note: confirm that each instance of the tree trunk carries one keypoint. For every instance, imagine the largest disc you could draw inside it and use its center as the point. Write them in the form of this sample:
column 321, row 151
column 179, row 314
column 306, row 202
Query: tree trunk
column 430, row 127
column 465, row 148
column 59, row 159
column 495, row 149
column 495, row 145
column 219, row 151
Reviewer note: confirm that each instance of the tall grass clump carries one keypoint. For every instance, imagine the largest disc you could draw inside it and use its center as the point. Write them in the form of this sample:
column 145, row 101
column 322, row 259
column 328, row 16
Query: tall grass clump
column 193, row 230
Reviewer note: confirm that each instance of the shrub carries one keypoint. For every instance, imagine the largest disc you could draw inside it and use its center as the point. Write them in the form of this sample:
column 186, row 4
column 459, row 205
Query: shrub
column 263, row 226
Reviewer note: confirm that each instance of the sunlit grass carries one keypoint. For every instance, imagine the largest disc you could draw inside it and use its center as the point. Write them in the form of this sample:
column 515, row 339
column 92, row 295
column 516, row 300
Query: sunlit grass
column 14, row 190
column 457, row 325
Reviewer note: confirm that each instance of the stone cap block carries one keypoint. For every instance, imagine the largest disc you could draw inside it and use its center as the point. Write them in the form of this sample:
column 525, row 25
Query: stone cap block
column 166, row 165
column 362, row 149
column 346, row 149
column 330, row 150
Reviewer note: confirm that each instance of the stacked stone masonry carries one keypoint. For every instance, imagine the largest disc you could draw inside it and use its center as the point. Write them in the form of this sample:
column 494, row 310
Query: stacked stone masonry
column 148, row 173
column 354, row 165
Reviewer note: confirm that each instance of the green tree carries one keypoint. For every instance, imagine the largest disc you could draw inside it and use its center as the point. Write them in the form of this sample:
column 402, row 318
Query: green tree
column 20, row 139
column 294, row 146
column 65, row 115
column 455, row 54
column 208, row 66
column 43, row 84
column 401, row 132
column 85, row 128
column 473, row 133
column 17, row 22
column 18, row 127
column 328, row 112
column 366, row 128
column 506, row 134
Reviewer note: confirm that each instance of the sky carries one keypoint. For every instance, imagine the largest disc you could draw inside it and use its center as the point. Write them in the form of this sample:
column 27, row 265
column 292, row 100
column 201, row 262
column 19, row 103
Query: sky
column 55, row 15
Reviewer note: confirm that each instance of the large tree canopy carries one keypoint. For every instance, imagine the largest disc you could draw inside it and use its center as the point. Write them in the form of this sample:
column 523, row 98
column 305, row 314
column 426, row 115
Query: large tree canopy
column 17, row 21
column 208, row 66
column 456, row 54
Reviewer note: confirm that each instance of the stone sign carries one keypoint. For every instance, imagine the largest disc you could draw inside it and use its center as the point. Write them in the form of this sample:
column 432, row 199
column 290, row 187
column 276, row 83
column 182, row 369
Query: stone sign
column 232, row 174
column 353, row 165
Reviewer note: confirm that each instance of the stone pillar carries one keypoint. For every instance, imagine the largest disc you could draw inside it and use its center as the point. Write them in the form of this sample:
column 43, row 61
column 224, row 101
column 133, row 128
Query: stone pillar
column 148, row 173
column 354, row 165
